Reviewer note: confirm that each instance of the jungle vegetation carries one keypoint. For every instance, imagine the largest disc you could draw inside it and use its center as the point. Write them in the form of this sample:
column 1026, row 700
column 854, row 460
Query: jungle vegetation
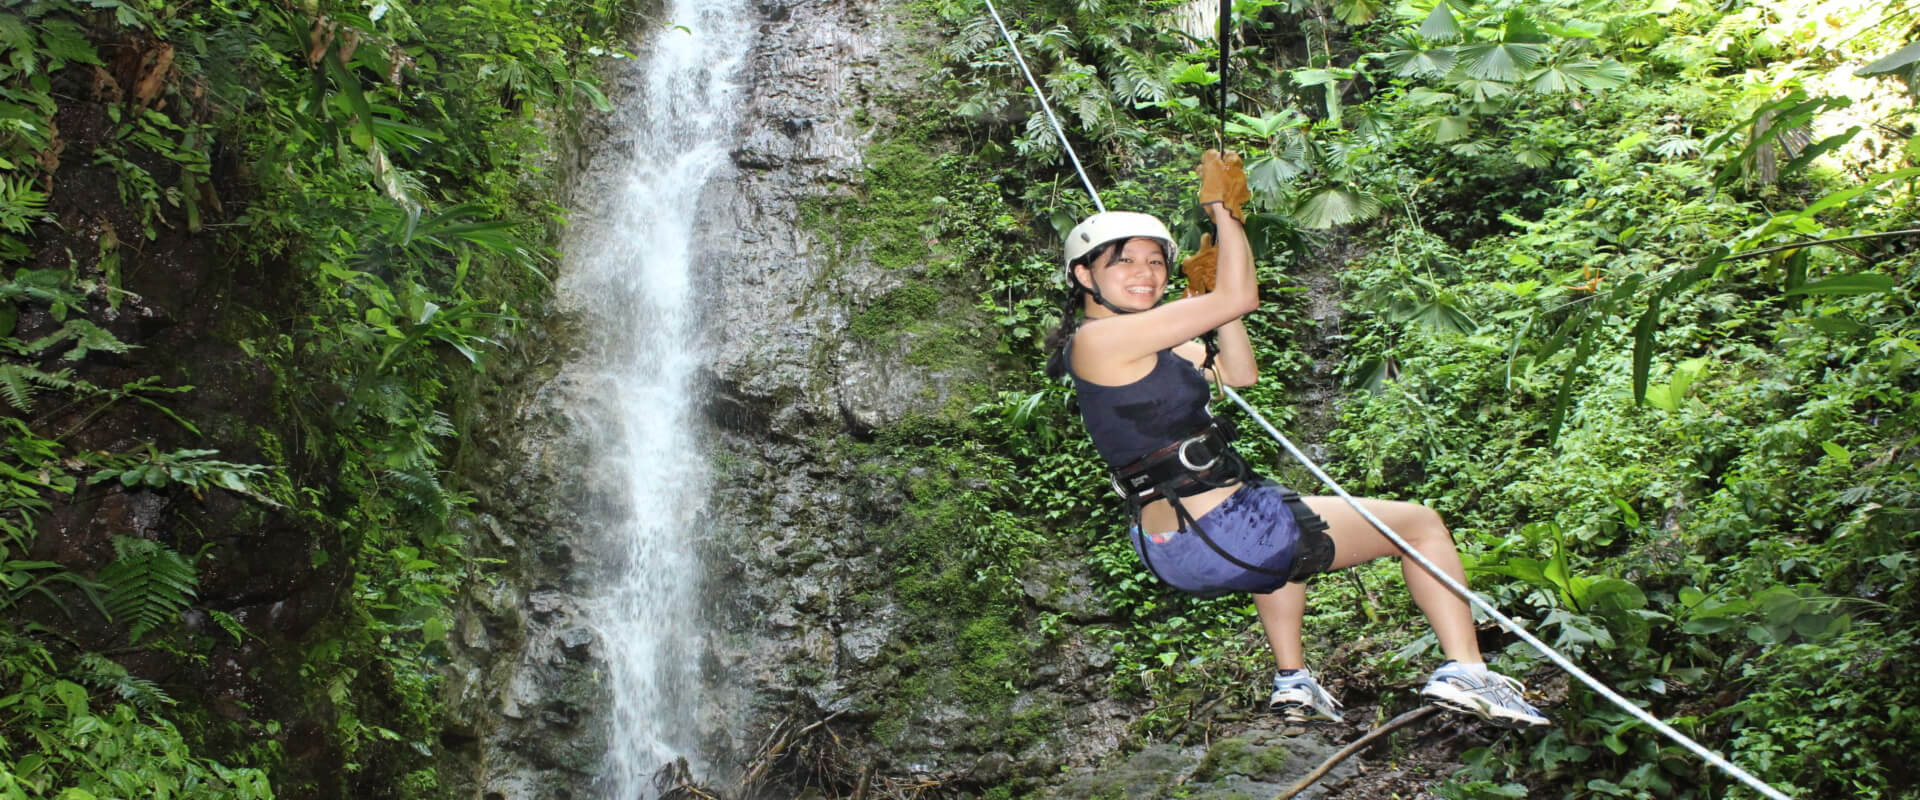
column 1628, row 294
column 362, row 189
column 1630, row 299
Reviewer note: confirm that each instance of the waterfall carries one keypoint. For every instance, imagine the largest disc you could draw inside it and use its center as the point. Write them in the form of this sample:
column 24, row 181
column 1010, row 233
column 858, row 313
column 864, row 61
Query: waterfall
column 626, row 276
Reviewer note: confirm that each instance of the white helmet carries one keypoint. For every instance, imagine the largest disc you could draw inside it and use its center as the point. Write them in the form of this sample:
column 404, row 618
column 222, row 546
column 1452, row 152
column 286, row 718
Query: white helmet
column 1108, row 226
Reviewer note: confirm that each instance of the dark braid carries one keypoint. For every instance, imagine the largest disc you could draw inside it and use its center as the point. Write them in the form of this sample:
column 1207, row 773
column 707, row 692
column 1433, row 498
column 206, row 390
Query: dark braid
column 1069, row 323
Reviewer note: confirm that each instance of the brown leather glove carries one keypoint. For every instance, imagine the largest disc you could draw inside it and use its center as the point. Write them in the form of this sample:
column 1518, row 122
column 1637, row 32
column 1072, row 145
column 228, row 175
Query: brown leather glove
column 1223, row 180
column 1200, row 267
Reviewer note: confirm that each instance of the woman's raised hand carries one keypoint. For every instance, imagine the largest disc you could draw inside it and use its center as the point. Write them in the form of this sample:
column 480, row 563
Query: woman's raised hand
column 1200, row 267
column 1224, row 181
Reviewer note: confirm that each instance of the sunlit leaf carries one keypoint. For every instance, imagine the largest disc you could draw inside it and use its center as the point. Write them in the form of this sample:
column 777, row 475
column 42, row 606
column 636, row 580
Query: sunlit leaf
column 1892, row 62
column 1858, row 283
column 1506, row 62
column 1440, row 25
column 1335, row 206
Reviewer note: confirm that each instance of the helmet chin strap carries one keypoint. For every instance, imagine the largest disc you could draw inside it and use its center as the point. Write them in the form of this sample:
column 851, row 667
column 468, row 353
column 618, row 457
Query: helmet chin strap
column 1095, row 291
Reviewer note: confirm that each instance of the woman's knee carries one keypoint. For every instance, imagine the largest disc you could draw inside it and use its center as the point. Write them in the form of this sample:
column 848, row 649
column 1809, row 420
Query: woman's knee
column 1425, row 527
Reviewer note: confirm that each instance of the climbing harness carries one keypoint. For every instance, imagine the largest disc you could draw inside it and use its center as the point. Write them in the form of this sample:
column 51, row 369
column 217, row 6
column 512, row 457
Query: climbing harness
column 1452, row 585
column 1188, row 466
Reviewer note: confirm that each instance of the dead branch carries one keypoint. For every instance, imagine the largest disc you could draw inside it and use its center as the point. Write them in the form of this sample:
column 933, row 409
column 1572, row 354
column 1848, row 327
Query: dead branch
column 1358, row 744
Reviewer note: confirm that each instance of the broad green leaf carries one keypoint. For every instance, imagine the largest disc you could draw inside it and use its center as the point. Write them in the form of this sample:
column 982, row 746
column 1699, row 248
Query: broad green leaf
column 1819, row 149
column 1837, row 325
column 1594, row 76
column 1451, row 128
column 71, row 695
column 1505, row 62
column 1892, row 62
column 1439, row 316
column 1858, row 283
column 1440, row 25
column 1521, row 29
column 1644, row 328
column 1357, row 12
column 1574, row 29
column 1320, row 77
column 1198, row 74
column 1271, row 175
column 1836, row 198
column 1335, row 205
column 1563, row 399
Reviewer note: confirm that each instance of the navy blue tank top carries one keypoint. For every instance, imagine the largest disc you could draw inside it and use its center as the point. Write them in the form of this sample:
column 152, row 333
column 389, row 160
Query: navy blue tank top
column 1130, row 421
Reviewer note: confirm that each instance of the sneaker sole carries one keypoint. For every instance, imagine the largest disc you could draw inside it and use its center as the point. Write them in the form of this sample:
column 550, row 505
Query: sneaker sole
column 1300, row 712
column 1447, row 697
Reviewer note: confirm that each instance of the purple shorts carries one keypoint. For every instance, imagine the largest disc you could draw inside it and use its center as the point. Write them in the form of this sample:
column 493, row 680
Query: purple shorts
column 1265, row 526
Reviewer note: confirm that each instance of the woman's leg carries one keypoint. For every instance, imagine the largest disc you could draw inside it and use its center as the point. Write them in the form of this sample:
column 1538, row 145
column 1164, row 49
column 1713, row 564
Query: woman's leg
column 1281, row 614
column 1355, row 541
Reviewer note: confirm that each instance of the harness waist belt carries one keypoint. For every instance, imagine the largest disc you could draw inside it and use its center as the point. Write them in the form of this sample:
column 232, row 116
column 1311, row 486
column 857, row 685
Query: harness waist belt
column 1183, row 468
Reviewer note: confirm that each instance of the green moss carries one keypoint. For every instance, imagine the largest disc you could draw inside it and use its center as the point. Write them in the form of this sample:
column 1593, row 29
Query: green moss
column 896, row 311
column 1240, row 756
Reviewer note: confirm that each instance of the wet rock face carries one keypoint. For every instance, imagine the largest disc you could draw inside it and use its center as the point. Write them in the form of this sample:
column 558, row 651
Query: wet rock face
column 807, row 626
column 805, row 631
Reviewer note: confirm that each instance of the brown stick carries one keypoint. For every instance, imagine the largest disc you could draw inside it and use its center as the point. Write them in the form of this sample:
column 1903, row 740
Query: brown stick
column 1358, row 744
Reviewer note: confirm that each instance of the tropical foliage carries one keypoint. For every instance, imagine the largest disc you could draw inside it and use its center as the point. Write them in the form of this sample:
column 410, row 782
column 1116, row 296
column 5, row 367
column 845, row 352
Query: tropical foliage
column 369, row 175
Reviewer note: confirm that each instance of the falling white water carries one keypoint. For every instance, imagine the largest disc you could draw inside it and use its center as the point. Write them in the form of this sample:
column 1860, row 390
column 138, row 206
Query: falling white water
column 628, row 276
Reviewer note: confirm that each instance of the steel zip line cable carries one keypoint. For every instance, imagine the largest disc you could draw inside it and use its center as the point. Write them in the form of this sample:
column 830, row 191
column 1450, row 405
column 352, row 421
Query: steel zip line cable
column 1452, row 585
column 1042, row 97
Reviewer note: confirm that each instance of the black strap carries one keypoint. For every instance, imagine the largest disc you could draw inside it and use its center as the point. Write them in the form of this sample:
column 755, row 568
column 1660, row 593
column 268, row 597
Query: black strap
column 1188, row 523
column 1226, row 48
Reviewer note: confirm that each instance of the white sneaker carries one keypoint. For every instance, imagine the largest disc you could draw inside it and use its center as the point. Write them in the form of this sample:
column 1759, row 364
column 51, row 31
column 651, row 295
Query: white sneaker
column 1299, row 698
column 1483, row 693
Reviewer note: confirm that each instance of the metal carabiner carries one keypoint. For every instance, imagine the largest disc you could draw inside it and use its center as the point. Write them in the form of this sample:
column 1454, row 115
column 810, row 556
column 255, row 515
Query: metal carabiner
column 1188, row 462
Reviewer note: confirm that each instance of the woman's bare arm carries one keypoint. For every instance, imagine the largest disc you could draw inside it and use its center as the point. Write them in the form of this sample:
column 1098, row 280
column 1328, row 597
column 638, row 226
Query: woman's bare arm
column 1118, row 349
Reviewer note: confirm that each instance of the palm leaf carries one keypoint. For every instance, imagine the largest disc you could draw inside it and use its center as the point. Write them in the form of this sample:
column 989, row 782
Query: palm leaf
column 1441, row 25
column 1506, row 62
column 1335, row 205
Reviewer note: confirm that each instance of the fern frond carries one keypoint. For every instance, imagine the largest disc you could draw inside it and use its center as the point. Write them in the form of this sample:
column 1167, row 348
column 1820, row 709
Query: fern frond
column 103, row 673
column 1140, row 80
column 17, row 388
column 422, row 489
column 149, row 585
column 20, row 382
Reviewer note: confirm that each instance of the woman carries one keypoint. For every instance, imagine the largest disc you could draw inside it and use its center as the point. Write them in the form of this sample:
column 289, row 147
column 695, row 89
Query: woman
column 1202, row 521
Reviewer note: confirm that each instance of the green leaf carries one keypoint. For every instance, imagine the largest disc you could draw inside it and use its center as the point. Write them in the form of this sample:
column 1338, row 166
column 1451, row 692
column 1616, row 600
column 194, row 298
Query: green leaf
column 1818, row 149
column 1594, row 76
column 65, row 41
column 1197, row 74
column 71, row 695
column 1521, row 29
column 1440, row 25
column 1505, row 62
column 1334, row 206
column 1644, row 329
column 1563, row 399
column 1357, row 12
column 1892, row 62
column 1836, row 198
column 1439, row 316
column 1855, row 284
